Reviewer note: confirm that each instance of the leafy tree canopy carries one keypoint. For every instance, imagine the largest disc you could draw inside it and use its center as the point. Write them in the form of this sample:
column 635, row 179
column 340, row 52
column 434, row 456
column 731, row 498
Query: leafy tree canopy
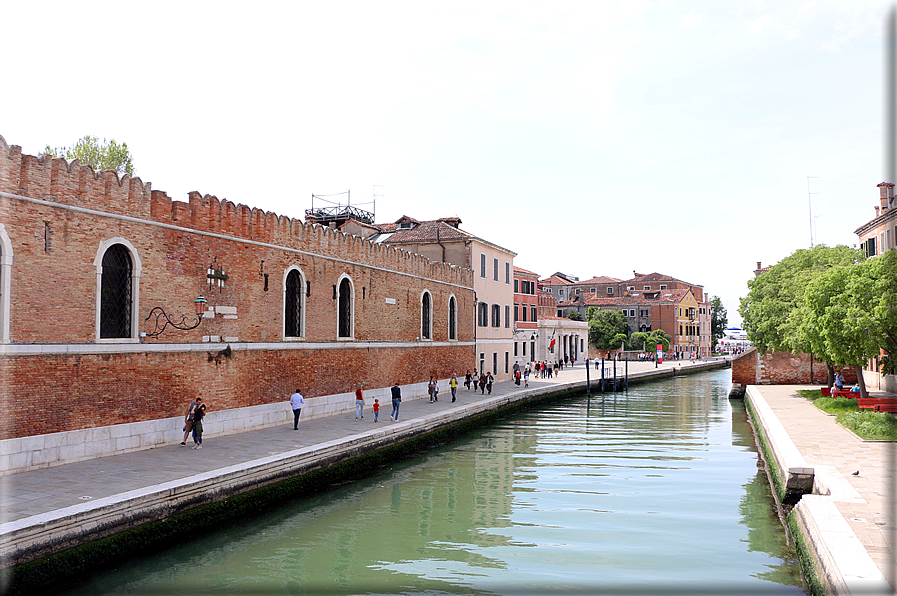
column 605, row 327
column 850, row 313
column 574, row 315
column 768, row 311
column 88, row 150
column 718, row 319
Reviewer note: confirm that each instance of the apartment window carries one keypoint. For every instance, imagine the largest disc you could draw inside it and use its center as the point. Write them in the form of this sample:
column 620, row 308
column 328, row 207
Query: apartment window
column 507, row 272
column 663, row 286
column 515, row 348
column 506, row 363
column 116, row 295
column 345, row 324
column 624, row 312
column 632, row 312
column 293, row 297
column 560, row 313
column 482, row 362
column 533, row 314
column 453, row 318
column 647, row 287
column 524, row 313
column 630, row 288
column 426, row 316
column 482, row 314
column 561, row 292
column 516, row 308
column 517, row 286
column 495, row 362
column 577, row 291
column 496, row 315
column 593, row 290
column 482, row 265
column 610, row 291
column 644, row 312
column 524, row 348
column 495, row 269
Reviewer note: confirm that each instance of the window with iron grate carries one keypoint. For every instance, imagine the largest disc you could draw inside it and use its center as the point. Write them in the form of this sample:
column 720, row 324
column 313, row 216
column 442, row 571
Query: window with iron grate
column 115, row 293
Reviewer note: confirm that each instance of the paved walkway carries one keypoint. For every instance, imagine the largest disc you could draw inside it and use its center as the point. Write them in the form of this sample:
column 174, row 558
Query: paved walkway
column 823, row 442
column 49, row 489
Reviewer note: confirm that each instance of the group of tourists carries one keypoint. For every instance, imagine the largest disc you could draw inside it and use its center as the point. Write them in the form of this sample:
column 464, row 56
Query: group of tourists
column 482, row 381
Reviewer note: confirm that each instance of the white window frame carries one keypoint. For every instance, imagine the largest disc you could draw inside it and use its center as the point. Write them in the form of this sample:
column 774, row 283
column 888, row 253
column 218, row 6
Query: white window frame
column 6, row 260
column 136, row 271
column 302, row 292
column 432, row 312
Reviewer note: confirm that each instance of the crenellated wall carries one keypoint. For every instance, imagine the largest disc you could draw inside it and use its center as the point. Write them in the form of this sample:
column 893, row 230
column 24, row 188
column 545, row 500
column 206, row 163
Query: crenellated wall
column 57, row 219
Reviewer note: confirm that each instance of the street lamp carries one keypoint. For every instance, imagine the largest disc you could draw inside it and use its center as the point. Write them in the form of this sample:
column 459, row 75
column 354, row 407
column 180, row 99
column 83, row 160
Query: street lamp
column 161, row 320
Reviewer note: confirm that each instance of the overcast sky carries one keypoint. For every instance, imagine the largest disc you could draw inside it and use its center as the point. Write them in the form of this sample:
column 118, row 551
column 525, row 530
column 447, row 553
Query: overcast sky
column 592, row 138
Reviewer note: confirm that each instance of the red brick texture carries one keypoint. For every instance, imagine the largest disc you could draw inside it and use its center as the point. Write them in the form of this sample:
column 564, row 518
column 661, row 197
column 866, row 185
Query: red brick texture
column 782, row 368
column 53, row 300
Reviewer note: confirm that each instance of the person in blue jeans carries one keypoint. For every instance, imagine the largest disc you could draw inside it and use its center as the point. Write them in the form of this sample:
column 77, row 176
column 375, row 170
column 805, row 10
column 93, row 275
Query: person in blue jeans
column 396, row 400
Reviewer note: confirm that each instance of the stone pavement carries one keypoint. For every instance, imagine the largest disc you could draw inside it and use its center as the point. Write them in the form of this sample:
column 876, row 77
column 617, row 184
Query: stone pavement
column 836, row 454
column 49, row 489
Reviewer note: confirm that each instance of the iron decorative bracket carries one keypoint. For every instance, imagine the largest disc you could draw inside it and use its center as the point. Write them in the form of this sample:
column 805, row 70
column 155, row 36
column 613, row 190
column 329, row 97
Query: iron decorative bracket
column 161, row 320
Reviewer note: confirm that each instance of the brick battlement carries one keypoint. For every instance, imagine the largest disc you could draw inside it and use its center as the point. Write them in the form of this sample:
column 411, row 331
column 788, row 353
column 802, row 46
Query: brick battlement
column 70, row 183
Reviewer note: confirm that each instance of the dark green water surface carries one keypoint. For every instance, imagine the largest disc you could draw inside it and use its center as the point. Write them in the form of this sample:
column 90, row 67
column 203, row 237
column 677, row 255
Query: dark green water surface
column 654, row 491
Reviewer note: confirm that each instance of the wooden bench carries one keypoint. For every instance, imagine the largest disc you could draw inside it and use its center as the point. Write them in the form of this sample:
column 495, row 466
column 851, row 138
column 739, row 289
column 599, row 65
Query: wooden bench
column 878, row 404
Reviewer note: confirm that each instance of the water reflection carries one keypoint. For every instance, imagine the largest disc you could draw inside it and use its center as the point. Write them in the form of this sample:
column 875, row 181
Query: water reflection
column 652, row 491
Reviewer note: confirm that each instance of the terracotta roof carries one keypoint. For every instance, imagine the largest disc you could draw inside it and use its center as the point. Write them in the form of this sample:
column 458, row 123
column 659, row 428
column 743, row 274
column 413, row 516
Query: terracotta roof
column 601, row 279
column 667, row 296
column 525, row 272
column 554, row 280
column 658, row 277
column 428, row 231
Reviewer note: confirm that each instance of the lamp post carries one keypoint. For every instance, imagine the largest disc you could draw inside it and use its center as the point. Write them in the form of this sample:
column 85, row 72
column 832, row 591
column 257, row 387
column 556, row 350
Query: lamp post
column 161, row 320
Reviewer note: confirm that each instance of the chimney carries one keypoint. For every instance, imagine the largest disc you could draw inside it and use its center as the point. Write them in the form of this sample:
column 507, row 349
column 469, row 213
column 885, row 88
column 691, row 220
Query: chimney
column 758, row 265
column 877, row 209
column 885, row 196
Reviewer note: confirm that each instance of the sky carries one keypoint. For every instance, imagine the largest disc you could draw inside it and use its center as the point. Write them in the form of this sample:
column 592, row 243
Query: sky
column 692, row 138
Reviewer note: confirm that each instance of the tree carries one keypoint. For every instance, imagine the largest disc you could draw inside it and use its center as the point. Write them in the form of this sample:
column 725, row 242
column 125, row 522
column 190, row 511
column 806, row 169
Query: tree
column 605, row 328
column 770, row 310
column 849, row 313
column 718, row 320
column 88, row 150
column 574, row 315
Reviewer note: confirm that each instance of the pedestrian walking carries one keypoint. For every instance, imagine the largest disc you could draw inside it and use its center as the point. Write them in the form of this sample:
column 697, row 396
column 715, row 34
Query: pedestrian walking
column 296, row 402
column 188, row 421
column 431, row 389
column 376, row 409
column 199, row 413
column 396, row 400
column 483, row 384
column 467, row 378
column 526, row 377
column 453, row 385
column 359, row 403
column 489, row 381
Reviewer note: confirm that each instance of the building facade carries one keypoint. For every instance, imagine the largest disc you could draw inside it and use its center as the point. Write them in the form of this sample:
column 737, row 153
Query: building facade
column 90, row 261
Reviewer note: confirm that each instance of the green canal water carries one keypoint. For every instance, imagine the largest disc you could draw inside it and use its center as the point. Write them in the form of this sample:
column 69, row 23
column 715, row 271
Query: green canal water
column 652, row 491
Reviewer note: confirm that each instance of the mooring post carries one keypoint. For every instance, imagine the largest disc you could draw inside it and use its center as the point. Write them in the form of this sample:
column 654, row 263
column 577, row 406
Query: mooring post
column 615, row 374
column 627, row 372
column 588, row 383
column 602, row 375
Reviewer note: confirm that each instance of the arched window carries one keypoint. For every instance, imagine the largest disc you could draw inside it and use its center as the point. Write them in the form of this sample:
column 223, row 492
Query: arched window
column 116, row 298
column 426, row 316
column 345, row 304
column 453, row 319
column 5, row 282
column 293, row 299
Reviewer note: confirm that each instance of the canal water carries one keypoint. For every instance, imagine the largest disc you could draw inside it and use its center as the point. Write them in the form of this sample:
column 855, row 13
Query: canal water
column 653, row 491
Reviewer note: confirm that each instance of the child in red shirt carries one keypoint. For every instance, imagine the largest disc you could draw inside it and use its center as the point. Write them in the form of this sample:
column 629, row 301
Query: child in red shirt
column 376, row 409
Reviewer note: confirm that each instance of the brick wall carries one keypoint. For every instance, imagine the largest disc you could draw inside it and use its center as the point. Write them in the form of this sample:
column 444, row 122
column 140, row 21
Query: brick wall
column 782, row 368
column 62, row 217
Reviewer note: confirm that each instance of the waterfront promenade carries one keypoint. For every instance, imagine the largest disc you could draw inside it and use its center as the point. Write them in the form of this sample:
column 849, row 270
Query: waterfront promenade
column 41, row 505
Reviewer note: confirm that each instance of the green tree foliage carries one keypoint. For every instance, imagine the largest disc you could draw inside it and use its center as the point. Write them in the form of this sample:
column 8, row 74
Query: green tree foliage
column 774, row 297
column 849, row 313
column 88, row 150
column 574, row 315
column 718, row 320
column 606, row 327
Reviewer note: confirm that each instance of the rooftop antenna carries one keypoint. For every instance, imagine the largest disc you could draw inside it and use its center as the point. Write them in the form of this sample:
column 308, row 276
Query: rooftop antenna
column 378, row 194
column 810, row 199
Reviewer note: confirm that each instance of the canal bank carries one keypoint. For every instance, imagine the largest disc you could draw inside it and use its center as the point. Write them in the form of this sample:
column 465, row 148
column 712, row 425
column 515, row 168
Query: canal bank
column 77, row 515
column 841, row 489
